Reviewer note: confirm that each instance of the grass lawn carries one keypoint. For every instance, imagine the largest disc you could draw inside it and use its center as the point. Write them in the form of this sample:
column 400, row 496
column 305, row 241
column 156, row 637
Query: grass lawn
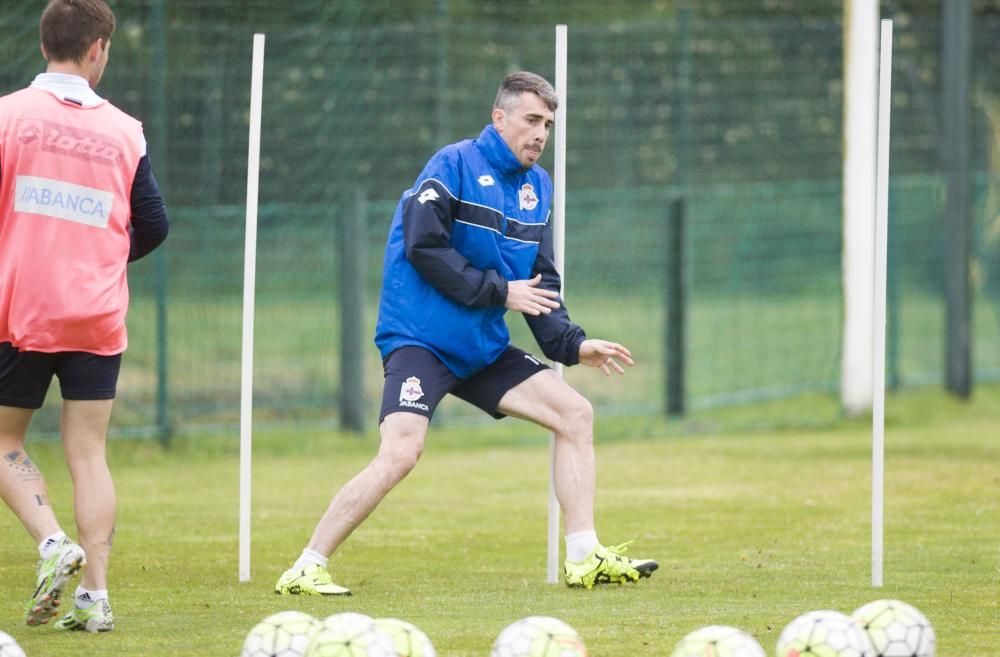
column 751, row 527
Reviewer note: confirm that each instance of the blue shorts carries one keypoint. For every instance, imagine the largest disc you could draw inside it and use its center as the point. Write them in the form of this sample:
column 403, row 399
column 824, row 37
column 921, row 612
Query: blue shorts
column 416, row 381
column 25, row 375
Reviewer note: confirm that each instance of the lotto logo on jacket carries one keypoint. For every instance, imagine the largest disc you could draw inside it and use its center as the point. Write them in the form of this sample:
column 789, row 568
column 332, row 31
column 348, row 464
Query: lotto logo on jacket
column 67, row 140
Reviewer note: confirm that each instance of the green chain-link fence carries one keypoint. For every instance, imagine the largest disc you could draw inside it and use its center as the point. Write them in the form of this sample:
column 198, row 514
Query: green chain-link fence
column 734, row 106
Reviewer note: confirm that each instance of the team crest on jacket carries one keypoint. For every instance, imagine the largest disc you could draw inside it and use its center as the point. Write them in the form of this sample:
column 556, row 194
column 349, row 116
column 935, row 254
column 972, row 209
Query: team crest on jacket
column 527, row 198
column 411, row 390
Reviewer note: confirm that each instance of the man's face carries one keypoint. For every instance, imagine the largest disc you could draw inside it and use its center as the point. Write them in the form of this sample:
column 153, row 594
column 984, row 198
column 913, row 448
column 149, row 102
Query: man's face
column 525, row 129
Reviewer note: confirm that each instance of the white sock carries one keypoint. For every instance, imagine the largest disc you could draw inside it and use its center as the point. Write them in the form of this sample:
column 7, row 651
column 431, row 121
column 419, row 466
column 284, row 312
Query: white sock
column 311, row 558
column 85, row 597
column 579, row 545
column 49, row 545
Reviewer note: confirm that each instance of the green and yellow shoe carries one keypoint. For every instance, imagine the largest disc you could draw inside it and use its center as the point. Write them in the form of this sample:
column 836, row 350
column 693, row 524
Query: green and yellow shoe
column 311, row 580
column 607, row 565
column 54, row 574
column 95, row 618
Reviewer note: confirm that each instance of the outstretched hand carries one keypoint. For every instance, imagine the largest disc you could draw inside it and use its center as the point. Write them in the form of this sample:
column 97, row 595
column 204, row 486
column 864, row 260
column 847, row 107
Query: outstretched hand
column 605, row 355
column 526, row 297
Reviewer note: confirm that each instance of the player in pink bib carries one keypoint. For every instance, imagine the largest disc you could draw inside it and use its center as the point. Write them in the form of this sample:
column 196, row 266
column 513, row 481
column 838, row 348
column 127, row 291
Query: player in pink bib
column 78, row 202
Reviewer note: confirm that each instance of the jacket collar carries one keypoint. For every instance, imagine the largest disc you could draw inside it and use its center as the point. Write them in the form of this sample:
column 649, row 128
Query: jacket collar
column 68, row 87
column 497, row 152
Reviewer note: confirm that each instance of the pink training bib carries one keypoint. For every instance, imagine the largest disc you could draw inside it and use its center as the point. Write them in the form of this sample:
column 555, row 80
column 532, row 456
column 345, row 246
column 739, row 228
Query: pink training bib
column 66, row 175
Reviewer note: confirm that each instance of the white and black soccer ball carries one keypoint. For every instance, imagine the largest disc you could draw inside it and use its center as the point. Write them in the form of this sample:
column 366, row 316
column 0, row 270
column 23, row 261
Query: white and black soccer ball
column 538, row 636
column 9, row 647
column 350, row 634
column 824, row 633
column 896, row 629
column 718, row 641
column 284, row 634
column 408, row 639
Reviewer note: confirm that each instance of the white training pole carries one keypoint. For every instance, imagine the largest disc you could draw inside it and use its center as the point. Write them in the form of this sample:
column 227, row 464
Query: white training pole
column 858, row 208
column 881, row 258
column 249, row 284
column 559, row 246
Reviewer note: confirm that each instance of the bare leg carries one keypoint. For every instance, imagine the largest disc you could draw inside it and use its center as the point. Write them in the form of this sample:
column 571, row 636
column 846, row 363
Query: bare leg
column 547, row 400
column 22, row 486
column 402, row 443
column 551, row 402
column 84, row 430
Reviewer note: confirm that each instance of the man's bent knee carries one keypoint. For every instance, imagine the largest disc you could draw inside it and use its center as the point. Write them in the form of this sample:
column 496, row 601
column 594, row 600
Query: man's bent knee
column 402, row 442
column 577, row 417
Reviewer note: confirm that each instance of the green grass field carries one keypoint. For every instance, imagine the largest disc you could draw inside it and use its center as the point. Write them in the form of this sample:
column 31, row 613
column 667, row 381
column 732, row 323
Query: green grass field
column 751, row 528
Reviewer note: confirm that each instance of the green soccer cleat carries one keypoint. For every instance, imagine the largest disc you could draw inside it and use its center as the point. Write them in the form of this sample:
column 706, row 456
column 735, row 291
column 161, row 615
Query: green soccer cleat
column 311, row 580
column 54, row 574
column 95, row 618
column 607, row 565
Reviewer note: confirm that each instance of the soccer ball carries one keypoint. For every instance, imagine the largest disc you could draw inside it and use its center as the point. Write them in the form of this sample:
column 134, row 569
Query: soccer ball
column 9, row 647
column 538, row 636
column 284, row 634
column 350, row 635
column 824, row 633
column 718, row 641
column 896, row 629
column 409, row 640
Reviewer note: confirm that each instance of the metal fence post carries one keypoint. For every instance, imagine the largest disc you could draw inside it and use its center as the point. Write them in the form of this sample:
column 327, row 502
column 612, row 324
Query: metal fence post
column 893, row 296
column 676, row 310
column 352, row 249
column 158, row 139
column 956, row 39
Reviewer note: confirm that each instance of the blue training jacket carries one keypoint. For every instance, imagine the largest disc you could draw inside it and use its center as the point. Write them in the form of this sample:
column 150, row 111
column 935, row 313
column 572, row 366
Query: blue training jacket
column 473, row 220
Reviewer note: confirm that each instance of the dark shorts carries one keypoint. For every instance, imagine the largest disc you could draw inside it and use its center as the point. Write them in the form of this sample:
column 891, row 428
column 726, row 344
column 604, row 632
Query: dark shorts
column 25, row 375
column 416, row 381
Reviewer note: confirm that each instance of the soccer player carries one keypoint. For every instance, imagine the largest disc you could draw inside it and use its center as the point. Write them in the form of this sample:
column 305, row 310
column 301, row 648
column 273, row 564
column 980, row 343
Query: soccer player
column 469, row 241
column 78, row 201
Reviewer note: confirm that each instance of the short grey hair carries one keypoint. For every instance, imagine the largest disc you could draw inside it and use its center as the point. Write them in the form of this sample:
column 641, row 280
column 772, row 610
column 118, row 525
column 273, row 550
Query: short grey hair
column 521, row 82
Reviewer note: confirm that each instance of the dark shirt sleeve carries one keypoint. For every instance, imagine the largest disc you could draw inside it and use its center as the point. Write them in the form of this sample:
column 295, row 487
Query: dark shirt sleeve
column 427, row 221
column 149, row 223
column 558, row 337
